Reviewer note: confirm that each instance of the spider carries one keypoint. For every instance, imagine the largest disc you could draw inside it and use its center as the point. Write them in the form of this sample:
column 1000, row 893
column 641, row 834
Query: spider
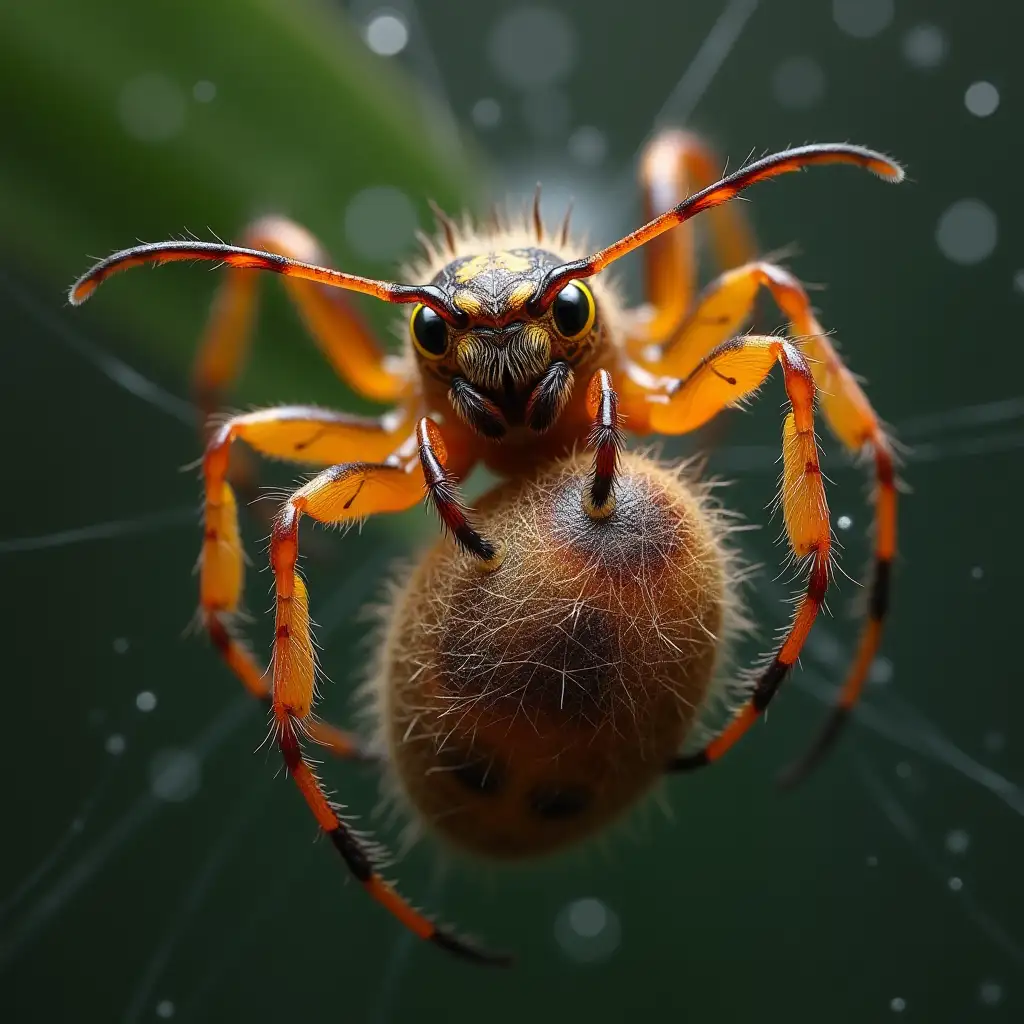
column 517, row 354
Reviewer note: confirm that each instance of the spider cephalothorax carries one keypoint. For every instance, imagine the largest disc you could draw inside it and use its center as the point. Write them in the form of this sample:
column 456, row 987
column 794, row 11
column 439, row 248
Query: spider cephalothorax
column 560, row 607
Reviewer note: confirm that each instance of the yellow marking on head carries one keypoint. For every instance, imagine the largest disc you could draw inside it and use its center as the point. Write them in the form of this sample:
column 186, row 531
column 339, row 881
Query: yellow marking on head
column 491, row 261
column 521, row 295
column 468, row 302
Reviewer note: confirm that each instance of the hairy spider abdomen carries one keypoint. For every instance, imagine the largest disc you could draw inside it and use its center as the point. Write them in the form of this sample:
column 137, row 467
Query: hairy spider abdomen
column 527, row 707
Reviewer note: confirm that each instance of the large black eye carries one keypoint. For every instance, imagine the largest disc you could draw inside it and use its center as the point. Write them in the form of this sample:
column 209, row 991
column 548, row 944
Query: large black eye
column 573, row 310
column 429, row 332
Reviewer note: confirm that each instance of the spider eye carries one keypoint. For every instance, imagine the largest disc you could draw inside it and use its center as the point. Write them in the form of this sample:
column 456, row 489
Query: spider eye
column 573, row 310
column 429, row 332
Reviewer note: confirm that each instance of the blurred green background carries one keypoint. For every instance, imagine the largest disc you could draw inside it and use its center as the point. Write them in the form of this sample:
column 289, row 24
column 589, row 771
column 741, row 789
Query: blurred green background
column 153, row 866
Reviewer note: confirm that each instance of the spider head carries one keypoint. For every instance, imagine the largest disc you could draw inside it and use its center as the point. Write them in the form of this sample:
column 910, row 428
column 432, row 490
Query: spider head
column 506, row 360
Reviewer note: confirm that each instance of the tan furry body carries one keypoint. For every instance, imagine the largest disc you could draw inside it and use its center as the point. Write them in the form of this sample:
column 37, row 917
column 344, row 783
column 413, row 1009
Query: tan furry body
column 524, row 710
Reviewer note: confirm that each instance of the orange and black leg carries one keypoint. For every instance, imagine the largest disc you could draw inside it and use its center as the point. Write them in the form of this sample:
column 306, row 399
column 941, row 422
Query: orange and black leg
column 724, row 308
column 676, row 164
column 341, row 494
column 333, row 322
column 731, row 372
column 606, row 440
column 296, row 433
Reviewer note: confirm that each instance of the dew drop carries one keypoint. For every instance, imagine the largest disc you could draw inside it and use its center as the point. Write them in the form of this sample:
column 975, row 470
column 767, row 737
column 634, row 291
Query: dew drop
column 145, row 700
column 151, row 108
column 925, row 46
column 862, row 18
column 386, row 33
column 531, row 47
column 115, row 744
column 486, row 113
column 798, row 83
column 204, row 91
column 380, row 222
column 844, row 522
column 588, row 930
column 967, row 232
column 174, row 775
column 981, row 99
column 957, row 841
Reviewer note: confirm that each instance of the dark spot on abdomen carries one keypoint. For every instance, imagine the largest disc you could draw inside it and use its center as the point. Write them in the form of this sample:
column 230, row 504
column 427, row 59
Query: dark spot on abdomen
column 478, row 772
column 555, row 801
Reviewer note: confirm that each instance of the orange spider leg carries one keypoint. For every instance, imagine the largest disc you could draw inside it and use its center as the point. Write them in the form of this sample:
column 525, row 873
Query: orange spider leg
column 337, row 328
column 342, row 494
column 674, row 165
column 299, row 434
column 724, row 307
column 735, row 370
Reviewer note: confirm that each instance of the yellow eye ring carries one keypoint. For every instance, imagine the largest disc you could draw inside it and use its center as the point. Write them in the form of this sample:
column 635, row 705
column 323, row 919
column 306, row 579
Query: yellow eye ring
column 429, row 332
column 574, row 310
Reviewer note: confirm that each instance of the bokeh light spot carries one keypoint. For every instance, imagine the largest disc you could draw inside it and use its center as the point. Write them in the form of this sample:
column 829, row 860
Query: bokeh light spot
column 532, row 47
column 967, row 232
column 115, row 744
column 863, row 18
column 380, row 222
column 925, row 46
column 486, row 113
column 386, row 33
column 798, row 83
column 957, row 841
column 120, row 645
column 990, row 993
column 151, row 108
column 981, row 99
column 897, row 1004
column 844, row 522
column 588, row 146
column 174, row 775
column 204, row 91
column 145, row 700
column 165, row 1009
column 955, row 884
column 588, row 930
column 546, row 113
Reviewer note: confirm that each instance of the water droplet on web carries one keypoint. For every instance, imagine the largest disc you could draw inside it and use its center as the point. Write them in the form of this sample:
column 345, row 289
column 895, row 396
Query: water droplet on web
column 115, row 744
column 386, row 33
column 798, row 83
column 967, row 232
column 380, row 222
column 955, row 884
column 121, row 645
column 981, row 99
column 204, row 91
column 588, row 145
column 145, row 700
column 897, row 1004
column 532, row 47
column 844, row 522
column 486, row 113
column 174, row 775
column 151, row 108
column 862, row 18
column 990, row 993
column 165, row 1009
column 957, row 841
column 588, row 930
column 925, row 46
